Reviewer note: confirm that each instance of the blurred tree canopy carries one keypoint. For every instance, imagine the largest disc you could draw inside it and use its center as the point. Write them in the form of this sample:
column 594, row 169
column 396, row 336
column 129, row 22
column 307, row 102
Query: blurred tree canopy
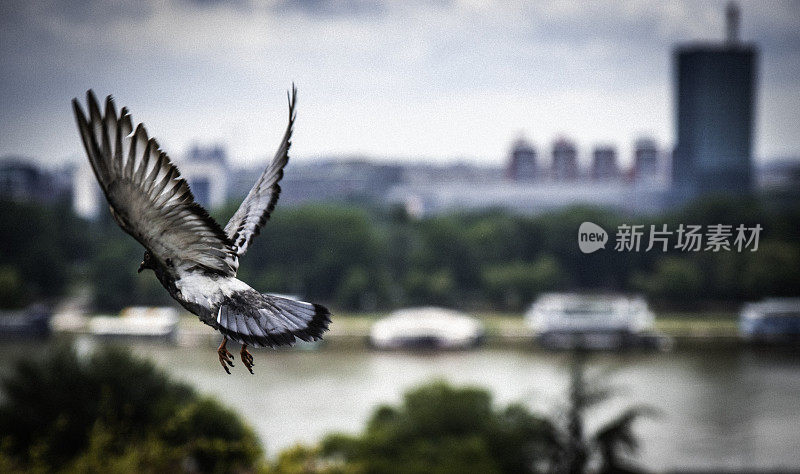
column 112, row 412
column 437, row 429
column 608, row 450
column 40, row 246
column 369, row 259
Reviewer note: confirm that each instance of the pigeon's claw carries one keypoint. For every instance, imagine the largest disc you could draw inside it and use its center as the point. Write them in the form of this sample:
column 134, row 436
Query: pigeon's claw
column 247, row 358
column 225, row 357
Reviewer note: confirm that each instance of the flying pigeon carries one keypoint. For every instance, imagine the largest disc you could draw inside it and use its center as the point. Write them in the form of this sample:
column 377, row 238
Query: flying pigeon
column 192, row 256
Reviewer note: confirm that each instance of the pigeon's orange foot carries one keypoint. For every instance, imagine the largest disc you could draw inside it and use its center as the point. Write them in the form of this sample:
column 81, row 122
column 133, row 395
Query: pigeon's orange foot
column 247, row 358
column 225, row 357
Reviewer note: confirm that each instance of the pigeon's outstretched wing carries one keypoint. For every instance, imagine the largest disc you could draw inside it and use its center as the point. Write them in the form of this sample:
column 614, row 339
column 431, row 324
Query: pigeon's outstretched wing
column 146, row 194
column 260, row 201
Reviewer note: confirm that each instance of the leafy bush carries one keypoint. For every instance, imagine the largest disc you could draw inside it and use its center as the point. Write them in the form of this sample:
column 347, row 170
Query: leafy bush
column 439, row 428
column 443, row 429
column 112, row 412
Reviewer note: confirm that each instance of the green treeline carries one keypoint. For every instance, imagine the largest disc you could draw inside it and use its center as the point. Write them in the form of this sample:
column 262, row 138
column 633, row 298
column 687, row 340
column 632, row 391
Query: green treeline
column 356, row 258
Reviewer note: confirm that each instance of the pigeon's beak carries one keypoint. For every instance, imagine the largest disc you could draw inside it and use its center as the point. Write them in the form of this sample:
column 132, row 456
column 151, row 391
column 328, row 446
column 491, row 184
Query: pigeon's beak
column 141, row 267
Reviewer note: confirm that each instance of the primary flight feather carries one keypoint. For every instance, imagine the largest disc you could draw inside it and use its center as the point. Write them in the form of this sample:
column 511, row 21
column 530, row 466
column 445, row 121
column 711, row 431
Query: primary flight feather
column 191, row 255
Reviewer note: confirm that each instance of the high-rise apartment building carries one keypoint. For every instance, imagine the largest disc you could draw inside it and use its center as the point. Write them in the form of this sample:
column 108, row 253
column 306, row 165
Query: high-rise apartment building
column 604, row 164
column 565, row 160
column 522, row 162
column 715, row 90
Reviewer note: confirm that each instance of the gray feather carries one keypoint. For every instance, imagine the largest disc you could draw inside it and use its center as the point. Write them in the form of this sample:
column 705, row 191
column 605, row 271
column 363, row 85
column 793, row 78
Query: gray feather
column 148, row 198
column 256, row 208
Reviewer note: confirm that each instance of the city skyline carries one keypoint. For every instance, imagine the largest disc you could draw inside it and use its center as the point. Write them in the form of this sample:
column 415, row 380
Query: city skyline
column 396, row 82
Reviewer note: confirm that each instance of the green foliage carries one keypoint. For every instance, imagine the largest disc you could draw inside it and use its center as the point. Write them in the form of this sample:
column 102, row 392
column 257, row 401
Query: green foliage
column 302, row 459
column 116, row 282
column 578, row 450
column 112, row 412
column 212, row 436
column 365, row 289
column 443, row 429
column 39, row 246
column 436, row 287
column 616, row 437
column 103, row 454
column 315, row 252
column 365, row 259
column 515, row 285
column 673, row 279
column 13, row 293
column 774, row 270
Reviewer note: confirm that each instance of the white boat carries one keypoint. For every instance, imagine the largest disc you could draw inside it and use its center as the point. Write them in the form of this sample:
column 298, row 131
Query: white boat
column 600, row 322
column 159, row 322
column 428, row 327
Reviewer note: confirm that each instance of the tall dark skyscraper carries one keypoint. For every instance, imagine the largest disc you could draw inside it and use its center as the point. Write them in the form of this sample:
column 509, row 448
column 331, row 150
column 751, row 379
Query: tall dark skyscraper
column 715, row 93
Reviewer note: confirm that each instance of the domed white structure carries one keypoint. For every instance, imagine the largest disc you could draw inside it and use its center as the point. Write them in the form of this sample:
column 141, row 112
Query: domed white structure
column 428, row 327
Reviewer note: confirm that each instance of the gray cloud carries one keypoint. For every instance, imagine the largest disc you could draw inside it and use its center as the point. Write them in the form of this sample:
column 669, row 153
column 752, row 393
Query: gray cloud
column 71, row 11
column 450, row 78
column 327, row 8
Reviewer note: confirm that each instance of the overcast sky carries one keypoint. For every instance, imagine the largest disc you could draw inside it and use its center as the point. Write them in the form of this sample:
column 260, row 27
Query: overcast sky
column 439, row 80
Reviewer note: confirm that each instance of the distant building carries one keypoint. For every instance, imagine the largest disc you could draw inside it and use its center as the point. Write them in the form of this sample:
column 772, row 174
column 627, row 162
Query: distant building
column 330, row 180
column 427, row 173
column 522, row 162
column 525, row 198
column 206, row 171
column 23, row 180
column 339, row 180
column 564, row 166
column 604, row 164
column 716, row 101
column 646, row 165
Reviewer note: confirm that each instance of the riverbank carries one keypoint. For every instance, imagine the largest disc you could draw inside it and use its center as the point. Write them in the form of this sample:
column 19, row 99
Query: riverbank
column 351, row 330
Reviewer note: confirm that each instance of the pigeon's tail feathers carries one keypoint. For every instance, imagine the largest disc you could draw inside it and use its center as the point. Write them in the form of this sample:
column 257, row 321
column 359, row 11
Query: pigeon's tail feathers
column 271, row 321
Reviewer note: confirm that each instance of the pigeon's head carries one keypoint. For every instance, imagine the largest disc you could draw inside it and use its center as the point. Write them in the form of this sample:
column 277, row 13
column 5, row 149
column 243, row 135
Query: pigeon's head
column 147, row 262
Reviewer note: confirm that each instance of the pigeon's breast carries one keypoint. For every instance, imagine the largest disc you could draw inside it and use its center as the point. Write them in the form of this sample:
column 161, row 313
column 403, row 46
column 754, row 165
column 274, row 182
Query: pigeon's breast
column 199, row 293
column 202, row 294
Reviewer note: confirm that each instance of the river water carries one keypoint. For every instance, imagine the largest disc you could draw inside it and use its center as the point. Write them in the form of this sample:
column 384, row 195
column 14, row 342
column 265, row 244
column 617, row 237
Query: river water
column 733, row 408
